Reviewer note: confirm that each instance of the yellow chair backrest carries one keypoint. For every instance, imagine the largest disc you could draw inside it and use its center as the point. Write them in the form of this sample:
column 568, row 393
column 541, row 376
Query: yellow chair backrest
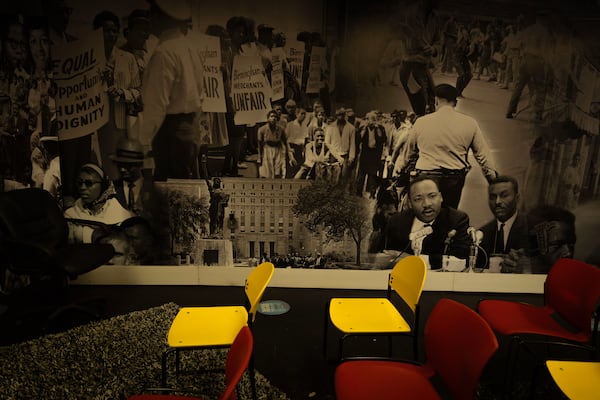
column 408, row 278
column 256, row 284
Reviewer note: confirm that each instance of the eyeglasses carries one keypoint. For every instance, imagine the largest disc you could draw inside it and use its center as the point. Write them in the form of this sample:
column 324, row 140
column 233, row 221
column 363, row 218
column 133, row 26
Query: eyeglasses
column 429, row 196
column 86, row 182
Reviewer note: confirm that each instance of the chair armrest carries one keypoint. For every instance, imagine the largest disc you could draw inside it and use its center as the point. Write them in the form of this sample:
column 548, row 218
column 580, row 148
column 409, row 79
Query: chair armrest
column 526, row 343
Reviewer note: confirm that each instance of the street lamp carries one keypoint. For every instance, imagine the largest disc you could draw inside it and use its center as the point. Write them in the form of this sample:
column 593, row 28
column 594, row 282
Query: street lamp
column 232, row 224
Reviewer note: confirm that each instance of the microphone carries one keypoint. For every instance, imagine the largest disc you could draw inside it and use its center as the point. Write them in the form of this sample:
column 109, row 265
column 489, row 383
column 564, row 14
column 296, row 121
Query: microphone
column 416, row 239
column 476, row 237
column 472, row 232
column 448, row 240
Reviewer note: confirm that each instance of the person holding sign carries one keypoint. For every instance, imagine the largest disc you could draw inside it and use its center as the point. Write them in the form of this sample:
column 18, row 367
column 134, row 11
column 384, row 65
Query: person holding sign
column 273, row 148
column 123, row 82
column 172, row 91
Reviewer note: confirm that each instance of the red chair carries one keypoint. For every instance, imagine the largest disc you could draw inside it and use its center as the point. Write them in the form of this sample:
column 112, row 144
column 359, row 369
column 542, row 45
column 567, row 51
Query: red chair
column 571, row 294
column 238, row 358
column 458, row 345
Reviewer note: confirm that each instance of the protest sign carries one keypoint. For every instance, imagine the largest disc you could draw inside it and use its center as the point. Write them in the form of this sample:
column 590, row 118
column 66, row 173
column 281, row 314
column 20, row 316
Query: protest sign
column 278, row 59
column 296, row 60
column 209, row 51
column 81, row 100
column 317, row 69
column 250, row 90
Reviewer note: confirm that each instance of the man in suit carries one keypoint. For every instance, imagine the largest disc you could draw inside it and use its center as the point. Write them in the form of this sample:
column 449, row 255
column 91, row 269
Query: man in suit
column 510, row 229
column 428, row 227
column 133, row 189
column 555, row 238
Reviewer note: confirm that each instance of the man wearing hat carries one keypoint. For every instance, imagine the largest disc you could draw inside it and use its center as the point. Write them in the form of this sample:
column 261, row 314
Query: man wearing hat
column 172, row 90
column 290, row 110
column 136, row 35
column 441, row 141
column 131, row 188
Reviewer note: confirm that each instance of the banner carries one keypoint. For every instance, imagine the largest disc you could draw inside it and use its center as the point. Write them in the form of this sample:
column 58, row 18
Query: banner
column 209, row 50
column 296, row 60
column 317, row 69
column 250, row 90
column 277, row 60
column 81, row 100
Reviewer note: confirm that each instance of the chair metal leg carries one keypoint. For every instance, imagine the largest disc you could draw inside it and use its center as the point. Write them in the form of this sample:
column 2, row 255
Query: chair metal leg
column 415, row 333
column 165, row 354
column 415, row 338
column 252, row 377
column 341, row 347
column 325, row 330
column 536, row 371
column 511, row 361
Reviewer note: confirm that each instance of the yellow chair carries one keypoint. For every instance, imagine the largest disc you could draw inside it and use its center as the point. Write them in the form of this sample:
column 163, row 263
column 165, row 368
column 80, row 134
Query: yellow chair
column 214, row 327
column 380, row 316
column 578, row 380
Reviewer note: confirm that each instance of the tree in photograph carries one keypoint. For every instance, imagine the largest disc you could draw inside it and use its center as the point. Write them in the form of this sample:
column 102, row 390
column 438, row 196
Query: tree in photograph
column 334, row 211
column 188, row 219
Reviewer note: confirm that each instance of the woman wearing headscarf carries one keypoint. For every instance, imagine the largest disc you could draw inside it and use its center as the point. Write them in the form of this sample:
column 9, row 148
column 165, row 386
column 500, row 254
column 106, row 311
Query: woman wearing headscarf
column 96, row 208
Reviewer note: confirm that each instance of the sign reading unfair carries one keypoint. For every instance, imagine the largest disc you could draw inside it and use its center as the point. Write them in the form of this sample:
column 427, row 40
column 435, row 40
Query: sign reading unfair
column 81, row 101
column 250, row 90
column 209, row 50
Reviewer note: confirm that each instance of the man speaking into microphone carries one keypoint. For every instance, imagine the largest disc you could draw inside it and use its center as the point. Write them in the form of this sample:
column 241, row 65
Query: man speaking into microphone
column 428, row 227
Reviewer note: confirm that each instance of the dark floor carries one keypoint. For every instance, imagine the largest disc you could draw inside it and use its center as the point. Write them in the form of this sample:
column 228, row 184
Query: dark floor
column 289, row 349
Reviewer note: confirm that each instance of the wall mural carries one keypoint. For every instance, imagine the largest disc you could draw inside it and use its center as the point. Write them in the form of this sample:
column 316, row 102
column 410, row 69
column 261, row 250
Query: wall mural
column 331, row 134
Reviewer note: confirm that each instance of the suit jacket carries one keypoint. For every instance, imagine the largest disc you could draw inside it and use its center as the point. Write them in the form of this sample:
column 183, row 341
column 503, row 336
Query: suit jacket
column 144, row 203
column 399, row 225
column 519, row 236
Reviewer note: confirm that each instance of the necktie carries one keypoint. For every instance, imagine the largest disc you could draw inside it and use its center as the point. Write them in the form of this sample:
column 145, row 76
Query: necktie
column 131, row 202
column 499, row 247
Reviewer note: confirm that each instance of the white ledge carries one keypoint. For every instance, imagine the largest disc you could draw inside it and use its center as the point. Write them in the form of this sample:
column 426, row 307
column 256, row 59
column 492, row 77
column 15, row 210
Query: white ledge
column 308, row 278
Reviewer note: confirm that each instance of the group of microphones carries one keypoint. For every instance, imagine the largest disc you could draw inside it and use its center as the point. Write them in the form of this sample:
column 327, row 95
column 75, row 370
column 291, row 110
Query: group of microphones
column 417, row 237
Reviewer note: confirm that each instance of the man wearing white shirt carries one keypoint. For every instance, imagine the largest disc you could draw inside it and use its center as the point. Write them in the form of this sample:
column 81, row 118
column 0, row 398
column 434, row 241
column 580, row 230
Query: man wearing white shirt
column 397, row 135
column 441, row 142
column 172, row 91
column 340, row 137
column 297, row 135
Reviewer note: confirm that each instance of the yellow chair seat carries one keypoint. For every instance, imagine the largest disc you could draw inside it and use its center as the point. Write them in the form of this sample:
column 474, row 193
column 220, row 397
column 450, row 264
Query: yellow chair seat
column 207, row 326
column 578, row 380
column 379, row 316
column 366, row 315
